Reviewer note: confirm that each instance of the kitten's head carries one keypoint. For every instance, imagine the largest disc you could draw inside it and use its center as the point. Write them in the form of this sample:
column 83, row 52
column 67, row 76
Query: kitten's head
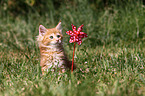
column 51, row 36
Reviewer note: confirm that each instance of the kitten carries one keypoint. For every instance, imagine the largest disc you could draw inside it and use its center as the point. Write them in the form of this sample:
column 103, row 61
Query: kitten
column 51, row 49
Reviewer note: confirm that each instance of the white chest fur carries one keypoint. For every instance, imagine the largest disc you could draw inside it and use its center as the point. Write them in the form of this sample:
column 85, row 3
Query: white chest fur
column 57, row 62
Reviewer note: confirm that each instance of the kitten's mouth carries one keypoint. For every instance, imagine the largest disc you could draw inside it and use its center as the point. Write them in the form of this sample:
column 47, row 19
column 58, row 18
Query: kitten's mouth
column 56, row 43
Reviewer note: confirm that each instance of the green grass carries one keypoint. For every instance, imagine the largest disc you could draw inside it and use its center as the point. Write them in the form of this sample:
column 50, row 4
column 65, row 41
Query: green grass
column 111, row 61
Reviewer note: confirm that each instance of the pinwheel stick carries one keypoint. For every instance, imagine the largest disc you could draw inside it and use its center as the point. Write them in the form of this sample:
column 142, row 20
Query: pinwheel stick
column 73, row 58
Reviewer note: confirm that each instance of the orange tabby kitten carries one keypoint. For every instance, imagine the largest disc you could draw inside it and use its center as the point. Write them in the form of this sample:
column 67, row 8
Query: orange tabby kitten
column 51, row 49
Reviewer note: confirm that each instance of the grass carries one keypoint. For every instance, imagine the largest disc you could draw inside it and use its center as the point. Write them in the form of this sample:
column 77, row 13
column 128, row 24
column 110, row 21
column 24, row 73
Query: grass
column 111, row 61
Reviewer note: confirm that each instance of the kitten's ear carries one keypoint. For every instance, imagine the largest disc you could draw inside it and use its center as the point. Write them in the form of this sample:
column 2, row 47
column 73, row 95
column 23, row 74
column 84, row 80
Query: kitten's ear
column 58, row 27
column 42, row 30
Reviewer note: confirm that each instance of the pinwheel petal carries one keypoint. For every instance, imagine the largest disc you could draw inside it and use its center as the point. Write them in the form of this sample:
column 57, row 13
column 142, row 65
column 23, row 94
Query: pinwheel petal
column 72, row 39
column 79, row 42
column 82, row 33
column 80, row 28
column 81, row 36
column 73, row 27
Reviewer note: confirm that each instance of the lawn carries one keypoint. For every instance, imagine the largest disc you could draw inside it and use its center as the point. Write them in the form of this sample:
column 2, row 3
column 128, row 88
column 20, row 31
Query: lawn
column 110, row 62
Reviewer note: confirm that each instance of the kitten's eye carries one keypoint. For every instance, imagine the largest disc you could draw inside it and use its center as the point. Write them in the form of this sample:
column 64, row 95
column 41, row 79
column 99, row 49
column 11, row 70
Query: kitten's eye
column 51, row 37
column 58, row 36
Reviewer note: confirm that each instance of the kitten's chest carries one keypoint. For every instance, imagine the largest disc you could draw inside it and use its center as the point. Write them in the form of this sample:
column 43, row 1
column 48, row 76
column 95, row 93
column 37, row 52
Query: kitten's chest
column 53, row 57
column 57, row 59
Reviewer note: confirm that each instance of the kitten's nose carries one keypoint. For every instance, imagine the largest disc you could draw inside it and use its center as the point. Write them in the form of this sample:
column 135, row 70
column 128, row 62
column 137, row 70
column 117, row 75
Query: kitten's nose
column 57, row 41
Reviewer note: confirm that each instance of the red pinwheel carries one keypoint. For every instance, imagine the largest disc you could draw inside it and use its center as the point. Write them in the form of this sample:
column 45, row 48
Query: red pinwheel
column 76, row 36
